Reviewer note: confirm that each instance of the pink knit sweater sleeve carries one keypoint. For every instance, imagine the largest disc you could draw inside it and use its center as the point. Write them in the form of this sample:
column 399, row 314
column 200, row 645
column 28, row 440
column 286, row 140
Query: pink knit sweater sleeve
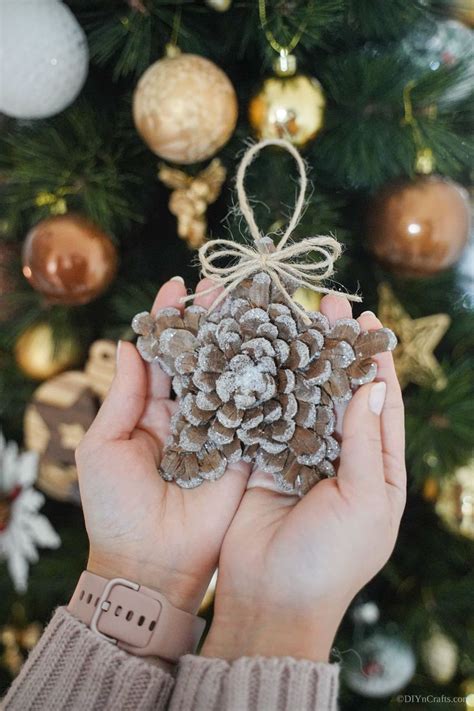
column 72, row 669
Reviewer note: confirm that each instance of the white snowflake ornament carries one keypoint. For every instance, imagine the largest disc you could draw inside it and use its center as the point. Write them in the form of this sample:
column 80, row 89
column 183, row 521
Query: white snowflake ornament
column 22, row 528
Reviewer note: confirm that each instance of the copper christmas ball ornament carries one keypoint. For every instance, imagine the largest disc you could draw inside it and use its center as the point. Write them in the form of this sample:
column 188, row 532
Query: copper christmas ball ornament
column 418, row 228
column 68, row 259
column 40, row 353
column 288, row 107
column 185, row 108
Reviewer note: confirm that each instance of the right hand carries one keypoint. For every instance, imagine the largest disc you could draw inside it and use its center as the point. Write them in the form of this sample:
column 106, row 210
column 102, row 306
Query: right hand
column 289, row 568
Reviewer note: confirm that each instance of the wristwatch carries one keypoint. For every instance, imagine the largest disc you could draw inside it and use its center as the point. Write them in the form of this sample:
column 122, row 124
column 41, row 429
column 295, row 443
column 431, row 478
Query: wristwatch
column 137, row 619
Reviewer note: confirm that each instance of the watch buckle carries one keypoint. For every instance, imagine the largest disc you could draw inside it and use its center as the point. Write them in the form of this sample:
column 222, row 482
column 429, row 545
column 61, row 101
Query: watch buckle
column 104, row 604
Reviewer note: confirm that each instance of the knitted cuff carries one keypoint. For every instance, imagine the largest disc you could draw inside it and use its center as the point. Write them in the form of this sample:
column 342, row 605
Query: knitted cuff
column 72, row 668
column 279, row 684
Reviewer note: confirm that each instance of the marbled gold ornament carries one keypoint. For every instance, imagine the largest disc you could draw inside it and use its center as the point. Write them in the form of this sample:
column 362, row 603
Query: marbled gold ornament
column 419, row 227
column 288, row 107
column 185, row 108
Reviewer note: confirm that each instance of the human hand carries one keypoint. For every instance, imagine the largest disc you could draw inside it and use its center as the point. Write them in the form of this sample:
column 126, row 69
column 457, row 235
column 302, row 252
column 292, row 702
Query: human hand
column 289, row 568
column 139, row 526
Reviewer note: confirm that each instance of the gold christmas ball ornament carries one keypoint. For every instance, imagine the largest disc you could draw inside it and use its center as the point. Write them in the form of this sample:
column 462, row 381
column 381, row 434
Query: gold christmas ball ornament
column 209, row 596
column 440, row 656
column 455, row 503
column 418, row 228
column 219, row 5
column 40, row 354
column 288, row 107
column 68, row 259
column 185, row 108
column 467, row 689
column 463, row 10
column 307, row 298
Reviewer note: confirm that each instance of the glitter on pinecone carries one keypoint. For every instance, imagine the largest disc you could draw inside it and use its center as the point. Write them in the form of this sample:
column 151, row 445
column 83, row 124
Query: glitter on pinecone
column 256, row 382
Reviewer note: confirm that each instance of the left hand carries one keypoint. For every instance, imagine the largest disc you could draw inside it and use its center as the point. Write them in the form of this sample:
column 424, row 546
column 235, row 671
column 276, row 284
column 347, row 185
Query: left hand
column 141, row 527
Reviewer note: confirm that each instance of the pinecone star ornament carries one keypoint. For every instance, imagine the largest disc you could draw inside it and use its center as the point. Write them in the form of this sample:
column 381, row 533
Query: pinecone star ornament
column 254, row 381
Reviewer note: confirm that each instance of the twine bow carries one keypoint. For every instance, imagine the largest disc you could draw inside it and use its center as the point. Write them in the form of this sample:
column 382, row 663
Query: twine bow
column 279, row 262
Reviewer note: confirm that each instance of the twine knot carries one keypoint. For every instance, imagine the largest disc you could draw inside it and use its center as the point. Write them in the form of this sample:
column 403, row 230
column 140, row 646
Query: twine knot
column 282, row 262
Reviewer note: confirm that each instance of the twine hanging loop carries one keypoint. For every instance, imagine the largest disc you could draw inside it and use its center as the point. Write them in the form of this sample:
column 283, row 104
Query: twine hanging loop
column 283, row 263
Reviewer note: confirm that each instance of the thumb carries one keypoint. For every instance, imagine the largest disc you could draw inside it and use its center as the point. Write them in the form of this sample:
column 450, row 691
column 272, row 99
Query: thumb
column 361, row 464
column 125, row 401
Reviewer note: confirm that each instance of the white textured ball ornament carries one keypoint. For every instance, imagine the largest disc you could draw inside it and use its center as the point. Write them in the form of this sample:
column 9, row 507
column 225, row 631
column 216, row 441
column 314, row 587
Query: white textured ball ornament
column 185, row 108
column 43, row 58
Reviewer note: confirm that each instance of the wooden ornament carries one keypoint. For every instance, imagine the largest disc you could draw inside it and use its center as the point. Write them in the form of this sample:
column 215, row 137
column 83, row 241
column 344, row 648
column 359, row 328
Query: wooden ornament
column 60, row 413
column 100, row 367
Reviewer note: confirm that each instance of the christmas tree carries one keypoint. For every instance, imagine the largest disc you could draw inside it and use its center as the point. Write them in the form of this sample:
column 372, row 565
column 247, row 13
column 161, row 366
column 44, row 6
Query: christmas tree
column 121, row 127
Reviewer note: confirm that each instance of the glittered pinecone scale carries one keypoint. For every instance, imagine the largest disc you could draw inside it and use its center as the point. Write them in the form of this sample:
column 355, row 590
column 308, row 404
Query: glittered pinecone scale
column 256, row 382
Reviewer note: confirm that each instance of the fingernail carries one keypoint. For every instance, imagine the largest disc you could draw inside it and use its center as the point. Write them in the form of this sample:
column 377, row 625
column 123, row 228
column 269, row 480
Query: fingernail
column 178, row 278
column 117, row 353
column 377, row 397
column 368, row 313
column 261, row 480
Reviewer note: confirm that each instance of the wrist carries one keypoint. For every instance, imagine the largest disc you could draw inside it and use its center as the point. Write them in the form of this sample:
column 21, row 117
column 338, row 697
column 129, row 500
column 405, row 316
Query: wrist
column 181, row 591
column 271, row 632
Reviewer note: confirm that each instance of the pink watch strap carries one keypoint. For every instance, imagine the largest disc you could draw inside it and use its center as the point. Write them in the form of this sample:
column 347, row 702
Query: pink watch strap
column 135, row 618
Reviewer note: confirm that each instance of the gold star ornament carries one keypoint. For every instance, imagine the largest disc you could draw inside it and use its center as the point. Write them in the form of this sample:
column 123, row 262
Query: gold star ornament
column 417, row 339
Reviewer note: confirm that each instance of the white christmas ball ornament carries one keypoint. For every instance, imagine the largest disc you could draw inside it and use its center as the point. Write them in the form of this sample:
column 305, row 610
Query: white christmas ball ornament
column 43, row 58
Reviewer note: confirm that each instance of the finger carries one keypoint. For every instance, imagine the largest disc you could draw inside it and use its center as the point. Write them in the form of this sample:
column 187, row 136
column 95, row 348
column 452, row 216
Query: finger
column 393, row 418
column 335, row 307
column 125, row 401
column 361, row 466
column 263, row 480
column 159, row 384
column 205, row 300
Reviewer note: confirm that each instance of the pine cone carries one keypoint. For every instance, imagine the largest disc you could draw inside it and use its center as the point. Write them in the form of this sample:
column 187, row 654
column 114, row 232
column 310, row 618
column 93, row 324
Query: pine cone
column 255, row 382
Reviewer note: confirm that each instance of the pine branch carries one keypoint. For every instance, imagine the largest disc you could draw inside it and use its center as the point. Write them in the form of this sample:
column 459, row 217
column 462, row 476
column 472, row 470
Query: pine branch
column 129, row 39
column 383, row 21
column 73, row 156
column 366, row 142
column 440, row 426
